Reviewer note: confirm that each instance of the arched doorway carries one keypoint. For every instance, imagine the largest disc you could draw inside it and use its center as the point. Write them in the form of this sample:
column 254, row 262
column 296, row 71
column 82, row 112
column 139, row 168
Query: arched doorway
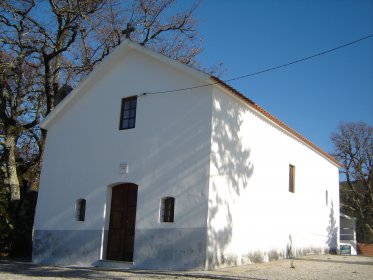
column 121, row 235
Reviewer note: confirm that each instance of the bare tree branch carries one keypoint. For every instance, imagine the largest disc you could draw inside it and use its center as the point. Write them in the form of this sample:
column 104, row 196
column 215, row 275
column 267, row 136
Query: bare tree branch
column 354, row 148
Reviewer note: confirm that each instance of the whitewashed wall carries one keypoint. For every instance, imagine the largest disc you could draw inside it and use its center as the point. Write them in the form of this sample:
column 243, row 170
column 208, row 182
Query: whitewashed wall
column 226, row 166
column 167, row 155
column 252, row 215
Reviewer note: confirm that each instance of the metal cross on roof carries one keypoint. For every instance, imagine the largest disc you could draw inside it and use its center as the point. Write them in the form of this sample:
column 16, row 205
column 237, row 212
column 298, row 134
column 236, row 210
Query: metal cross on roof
column 128, row 30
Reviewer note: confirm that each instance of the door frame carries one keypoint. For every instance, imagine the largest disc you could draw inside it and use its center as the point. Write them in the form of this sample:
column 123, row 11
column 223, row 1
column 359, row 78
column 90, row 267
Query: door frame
column 106, row 220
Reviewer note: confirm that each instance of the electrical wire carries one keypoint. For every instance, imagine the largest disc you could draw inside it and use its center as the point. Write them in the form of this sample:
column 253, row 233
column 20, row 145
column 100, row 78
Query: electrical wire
column 265, row 70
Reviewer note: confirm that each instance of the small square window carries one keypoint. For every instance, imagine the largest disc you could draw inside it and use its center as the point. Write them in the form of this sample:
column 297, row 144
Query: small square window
column 291, row 178
column 128, row 113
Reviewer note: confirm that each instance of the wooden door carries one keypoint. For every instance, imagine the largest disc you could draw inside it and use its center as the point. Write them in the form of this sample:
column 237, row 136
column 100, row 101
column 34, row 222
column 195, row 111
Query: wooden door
column 122, row 223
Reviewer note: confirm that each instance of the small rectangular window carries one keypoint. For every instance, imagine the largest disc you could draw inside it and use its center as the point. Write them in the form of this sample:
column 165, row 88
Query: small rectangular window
column 128, row 113
column 291, row 178
column 168, row 209
column 326, row 198
column 80, row 210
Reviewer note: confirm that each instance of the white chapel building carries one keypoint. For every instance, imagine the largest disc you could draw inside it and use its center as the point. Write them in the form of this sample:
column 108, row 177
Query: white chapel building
column 144, row 166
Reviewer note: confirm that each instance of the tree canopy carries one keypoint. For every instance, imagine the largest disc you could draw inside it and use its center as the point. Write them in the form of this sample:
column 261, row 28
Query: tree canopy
column 353, row 147
column 48, row 44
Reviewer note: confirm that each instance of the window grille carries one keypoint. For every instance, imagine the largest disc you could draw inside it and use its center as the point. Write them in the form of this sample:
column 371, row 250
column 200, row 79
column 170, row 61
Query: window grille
column 168, row 209
column 128, row 113
column 80, row 206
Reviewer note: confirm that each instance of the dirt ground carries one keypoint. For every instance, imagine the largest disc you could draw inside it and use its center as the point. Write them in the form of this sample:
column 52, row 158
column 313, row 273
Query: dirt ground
column 311, row 267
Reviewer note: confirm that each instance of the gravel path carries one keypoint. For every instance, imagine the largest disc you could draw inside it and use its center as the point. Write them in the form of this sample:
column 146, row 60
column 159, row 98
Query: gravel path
column 319, row 267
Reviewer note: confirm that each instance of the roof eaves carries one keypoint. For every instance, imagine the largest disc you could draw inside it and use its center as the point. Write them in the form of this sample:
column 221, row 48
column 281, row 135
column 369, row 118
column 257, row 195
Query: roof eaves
column 275, row 120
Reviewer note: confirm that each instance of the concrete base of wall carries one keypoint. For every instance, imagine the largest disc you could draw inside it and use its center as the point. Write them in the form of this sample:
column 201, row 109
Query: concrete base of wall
column 220, row 261
column 154, row 249
column 66, row 247
column 170, row 248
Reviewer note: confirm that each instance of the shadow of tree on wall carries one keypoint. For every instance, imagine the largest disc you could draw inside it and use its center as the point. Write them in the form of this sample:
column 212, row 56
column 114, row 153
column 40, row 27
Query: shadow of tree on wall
column 177, row 158
column 230, row 159
column 332, row 230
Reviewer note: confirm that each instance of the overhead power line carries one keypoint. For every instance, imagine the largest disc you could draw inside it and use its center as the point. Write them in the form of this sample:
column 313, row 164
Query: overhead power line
column 268, row 69
column 302, row 59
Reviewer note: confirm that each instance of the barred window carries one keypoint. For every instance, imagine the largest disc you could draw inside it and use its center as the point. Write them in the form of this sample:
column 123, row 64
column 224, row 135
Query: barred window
column 167, row 210
column 128, row 113
column 80, row 209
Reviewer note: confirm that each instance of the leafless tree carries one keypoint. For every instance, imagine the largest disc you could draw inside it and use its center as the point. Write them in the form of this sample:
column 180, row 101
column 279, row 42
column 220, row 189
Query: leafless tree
column 353, row 145
column 47, row 44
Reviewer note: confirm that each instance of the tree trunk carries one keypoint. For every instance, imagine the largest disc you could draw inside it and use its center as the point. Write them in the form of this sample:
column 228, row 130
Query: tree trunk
column 33, row 185
column 11, row 165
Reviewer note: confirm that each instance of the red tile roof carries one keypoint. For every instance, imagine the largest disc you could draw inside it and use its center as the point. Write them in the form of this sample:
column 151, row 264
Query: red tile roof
column 275, row 120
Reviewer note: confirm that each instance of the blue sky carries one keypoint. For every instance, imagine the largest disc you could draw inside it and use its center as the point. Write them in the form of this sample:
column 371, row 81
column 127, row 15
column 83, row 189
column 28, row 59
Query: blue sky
column 312, row 97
